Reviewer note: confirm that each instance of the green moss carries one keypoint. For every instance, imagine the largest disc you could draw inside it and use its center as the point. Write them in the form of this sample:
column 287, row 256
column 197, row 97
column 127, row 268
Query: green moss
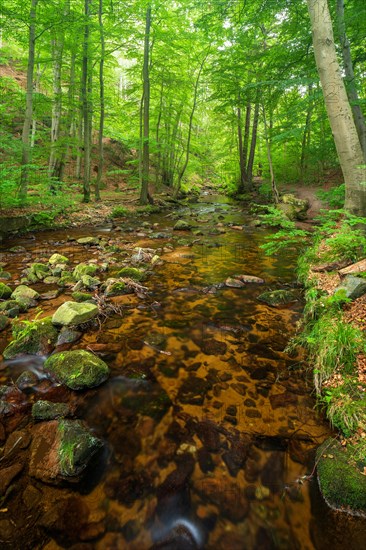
column 32, row 338
column 340, row 479
column 77, row 369
column 131, row 273
column 84, row 269
column 76, row 447
column 5, row 291
column 81, row 296
column 116, row 289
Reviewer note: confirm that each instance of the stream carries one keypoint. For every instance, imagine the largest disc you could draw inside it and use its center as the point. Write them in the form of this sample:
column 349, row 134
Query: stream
column 209, row 426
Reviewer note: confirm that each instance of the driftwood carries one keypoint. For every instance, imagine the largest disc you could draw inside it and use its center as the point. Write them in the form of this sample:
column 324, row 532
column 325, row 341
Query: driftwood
column 353, row 269
column 330, row 267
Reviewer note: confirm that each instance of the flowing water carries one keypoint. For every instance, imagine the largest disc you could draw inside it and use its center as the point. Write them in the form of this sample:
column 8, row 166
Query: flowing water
column 209, row 426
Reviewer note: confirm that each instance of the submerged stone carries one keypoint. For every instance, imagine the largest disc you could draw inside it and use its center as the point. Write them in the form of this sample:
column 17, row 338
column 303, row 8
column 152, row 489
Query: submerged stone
column 278, row 297
column 36, row 338
column 77, row 369
column 74, row 313
column 341, row 481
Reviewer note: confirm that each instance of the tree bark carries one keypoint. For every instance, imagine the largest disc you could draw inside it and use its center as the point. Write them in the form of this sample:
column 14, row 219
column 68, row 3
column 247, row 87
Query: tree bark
column 339, row 112
column 102, row 103
column 275, row 194
column 86, row 99
column 144, row 194
column 253, row 142
column 24, row 175
column 350, row 78
column 306, row 135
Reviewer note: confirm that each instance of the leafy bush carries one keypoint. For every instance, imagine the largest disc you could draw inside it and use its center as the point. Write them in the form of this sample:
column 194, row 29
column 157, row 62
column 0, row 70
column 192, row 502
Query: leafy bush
column 335, row 197
column 119, row 212
column 346, row 406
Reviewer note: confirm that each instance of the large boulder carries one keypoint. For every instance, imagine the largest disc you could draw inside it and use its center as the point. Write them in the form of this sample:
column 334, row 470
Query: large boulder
column 36, row 338
column 61, row 450
column 293, row 208
column 341, row 481
column 354, row 287
column 74, row 313
column 77, row 369
column 5, row 291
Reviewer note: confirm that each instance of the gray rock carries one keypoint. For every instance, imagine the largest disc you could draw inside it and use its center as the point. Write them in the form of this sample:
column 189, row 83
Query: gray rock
column 46, row 410
column 74, row 313
column 23, row 291
column 354, row 287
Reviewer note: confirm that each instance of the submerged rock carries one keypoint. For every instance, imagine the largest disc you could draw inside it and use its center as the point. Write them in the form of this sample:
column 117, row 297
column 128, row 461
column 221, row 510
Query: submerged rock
column 74, row 313
column 341, row 481
column 77, row 369
column 61, row 450
column 278, row 297
column 36, row 338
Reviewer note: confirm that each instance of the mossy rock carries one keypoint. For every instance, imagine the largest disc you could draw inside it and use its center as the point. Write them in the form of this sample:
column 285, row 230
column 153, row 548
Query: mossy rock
column 77, row 369
column 36, row 338
column 81, row 296
column 46, row 410
column 74, row 313
column 58, row 259
column 182, row 225
column 341, row 482
column 10, row 308
column 131, row 273
column 88, row 240
column 4, row 321
column 278, row 297
column 5, row 291
column 66, row 279
column 23, row 291
column 38, row 271
column 116, row 288
column 84, row 269
column 5, row 275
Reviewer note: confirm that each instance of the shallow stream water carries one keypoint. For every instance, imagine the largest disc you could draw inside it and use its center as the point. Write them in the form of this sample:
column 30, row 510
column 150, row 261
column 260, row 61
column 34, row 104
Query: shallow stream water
column 209, row 427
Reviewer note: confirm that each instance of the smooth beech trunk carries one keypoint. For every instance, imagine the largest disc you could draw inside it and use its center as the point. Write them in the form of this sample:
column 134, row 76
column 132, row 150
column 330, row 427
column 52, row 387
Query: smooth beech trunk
column 24, row 175
column 102, row 103
column 144, row 194
column 344, row 131
column 86, row 102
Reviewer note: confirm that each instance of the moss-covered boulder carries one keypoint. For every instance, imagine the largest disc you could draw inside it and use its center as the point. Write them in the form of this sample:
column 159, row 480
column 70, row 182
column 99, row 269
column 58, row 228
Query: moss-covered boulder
column 46, row 410
column 84, row 269
column 58, row 259
column 4, row 321
column 341, row 482
column 278, row 297
column 293, row 208
column 61, row 450
column 182, row 225
column 74, row 313
column 5, row 291
column 36, row 338
column 37, row 272
column 77, row 369
column 24, row 292
column 5, row 275
column 81, row 296
column 131, row 273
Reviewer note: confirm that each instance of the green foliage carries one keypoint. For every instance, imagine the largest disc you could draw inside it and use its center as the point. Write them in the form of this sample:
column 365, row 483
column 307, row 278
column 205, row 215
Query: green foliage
column 119, row 212
column 346, row 406
column 334, row 198
column 287, row 237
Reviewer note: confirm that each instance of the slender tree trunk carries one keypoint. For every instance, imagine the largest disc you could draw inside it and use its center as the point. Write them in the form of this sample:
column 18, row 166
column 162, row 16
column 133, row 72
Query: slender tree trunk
column 193, row 110
column 158, row 156
column 350, row 78
column 70, row 122
column 57, row 50
column 243, row 174
column 306, row 135
column 85, row 93
column 34, row 120
column 247, row 132
column 141, row 138
column 146, row 134
column 102, row 102
column 275, row 194
column 24, row 175
column 338, row 108
column 80, row 142
column 253, row 142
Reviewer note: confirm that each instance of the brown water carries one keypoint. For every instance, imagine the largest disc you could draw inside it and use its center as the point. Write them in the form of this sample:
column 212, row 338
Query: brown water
column 209, row 426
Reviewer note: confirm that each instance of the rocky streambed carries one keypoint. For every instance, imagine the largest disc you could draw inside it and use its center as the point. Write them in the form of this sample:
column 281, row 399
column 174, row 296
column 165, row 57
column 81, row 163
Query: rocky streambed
column 146, row 397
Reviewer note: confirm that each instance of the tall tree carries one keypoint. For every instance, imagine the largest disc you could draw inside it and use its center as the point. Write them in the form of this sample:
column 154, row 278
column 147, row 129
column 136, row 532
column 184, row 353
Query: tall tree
column 24, row 177
column 102, row 102
column 86, row 101
column 144, row 194
column 338, row 108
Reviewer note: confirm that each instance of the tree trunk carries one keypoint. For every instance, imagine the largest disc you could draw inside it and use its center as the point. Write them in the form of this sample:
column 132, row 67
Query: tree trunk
column 253, row 142
column 34, row 121
column 276, row 197
column 144, row 194
column 338, row 108
column 350, row 78
column 243, row 173
column 193, row 110
column 85, row 94
column 102, row 102
column 57, row 49
column 24, row 175
column 306, row 135
column 70, row 122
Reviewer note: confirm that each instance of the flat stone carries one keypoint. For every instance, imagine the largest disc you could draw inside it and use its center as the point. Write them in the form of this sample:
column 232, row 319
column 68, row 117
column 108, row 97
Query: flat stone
column 74, row 313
